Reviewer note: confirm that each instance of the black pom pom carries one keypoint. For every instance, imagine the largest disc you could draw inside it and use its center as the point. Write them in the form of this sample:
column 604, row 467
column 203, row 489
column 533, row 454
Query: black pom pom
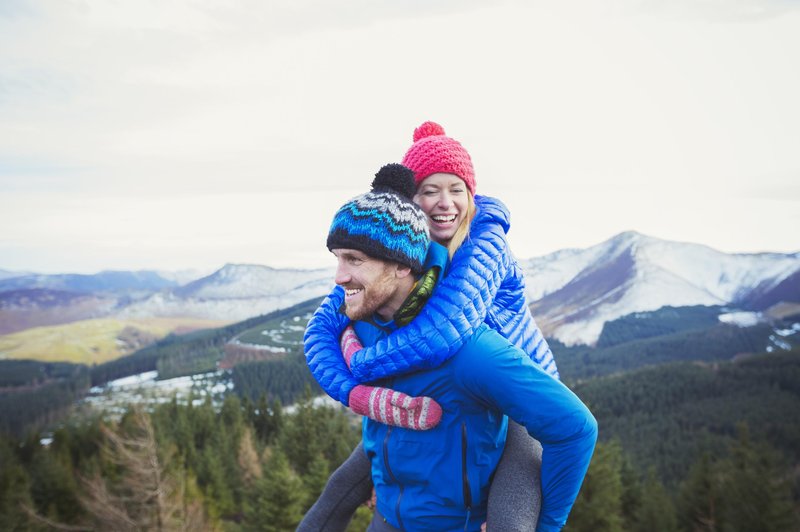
column 396, row 178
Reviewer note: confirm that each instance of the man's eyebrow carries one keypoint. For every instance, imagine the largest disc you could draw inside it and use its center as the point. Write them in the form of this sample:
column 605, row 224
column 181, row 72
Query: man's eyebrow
column 352, row 255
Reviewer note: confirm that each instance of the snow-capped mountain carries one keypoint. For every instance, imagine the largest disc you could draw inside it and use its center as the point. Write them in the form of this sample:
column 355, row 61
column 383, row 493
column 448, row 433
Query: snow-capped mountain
column 107, row 282
column 574, row 292
column 31, row 300
column 7, row 274
column 236, row 292
column 35, row 307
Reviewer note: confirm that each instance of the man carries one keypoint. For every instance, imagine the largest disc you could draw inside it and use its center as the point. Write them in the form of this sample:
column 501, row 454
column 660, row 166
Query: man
column 438, row 479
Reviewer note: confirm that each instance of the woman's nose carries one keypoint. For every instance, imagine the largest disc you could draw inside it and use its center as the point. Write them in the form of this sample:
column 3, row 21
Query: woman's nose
column 444, row 200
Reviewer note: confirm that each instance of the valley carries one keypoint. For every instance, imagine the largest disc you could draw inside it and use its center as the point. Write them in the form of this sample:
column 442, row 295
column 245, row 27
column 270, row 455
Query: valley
column 95, row 341
column 677, row 360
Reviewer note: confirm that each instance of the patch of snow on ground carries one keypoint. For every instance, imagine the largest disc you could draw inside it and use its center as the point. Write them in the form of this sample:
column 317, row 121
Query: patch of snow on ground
column 788, row 332
column 144, row 388
column 316, row 402
column 741, row 319
column 780, row 343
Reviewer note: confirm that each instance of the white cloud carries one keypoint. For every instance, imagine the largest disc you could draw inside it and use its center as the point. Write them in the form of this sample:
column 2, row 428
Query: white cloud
column 566, row 106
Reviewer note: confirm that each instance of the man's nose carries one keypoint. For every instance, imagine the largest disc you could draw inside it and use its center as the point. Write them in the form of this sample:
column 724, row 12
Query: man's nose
column 342, row 274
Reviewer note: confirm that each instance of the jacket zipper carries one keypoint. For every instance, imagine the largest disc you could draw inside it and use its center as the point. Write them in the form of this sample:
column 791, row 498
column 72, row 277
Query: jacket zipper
column 465, row 478
column 391, row 474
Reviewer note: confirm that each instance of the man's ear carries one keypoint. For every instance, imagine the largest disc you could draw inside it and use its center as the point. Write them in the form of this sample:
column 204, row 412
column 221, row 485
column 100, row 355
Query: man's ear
column 402, row 271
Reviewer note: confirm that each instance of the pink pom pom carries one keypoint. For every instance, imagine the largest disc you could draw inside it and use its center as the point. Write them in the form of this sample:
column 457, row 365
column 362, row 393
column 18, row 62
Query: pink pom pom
column 428, row 129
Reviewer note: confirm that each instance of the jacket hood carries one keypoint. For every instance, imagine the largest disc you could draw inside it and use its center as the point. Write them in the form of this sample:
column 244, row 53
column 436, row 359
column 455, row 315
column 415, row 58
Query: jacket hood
column 492, row 210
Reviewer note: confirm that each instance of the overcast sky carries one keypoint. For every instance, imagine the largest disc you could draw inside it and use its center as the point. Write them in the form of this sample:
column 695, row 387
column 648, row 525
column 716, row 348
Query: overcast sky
column 187, row 134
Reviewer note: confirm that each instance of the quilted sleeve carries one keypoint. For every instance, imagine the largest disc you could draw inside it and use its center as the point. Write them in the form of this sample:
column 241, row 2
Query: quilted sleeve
column 457, row 307
column 322, row 350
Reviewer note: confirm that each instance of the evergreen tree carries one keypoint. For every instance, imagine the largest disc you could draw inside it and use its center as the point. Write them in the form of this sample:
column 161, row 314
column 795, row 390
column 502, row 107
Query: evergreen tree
column 631, row 494
column 303, row 426
column 226, row 443
column 314, row 480
column 53, row 488
column 699, row 500
column 214, row 483
column 757, row 496
column 278, row 498
column 268, row 420
column 599, row 503
column 657, row 512
column 14, row 491
column 249, row 462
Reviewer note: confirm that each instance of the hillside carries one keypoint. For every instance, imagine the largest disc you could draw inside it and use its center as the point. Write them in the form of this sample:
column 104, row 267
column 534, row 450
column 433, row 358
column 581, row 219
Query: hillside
column 25, row 308
column 94, row 341
column 668, row 416
column 573, row 293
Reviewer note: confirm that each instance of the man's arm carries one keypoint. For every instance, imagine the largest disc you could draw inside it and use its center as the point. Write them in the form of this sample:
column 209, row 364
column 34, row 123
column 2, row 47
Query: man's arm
column 506, row 379
column 321, row 346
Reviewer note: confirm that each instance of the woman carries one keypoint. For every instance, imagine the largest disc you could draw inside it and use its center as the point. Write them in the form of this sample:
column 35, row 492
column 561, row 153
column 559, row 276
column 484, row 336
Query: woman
column 473, row 229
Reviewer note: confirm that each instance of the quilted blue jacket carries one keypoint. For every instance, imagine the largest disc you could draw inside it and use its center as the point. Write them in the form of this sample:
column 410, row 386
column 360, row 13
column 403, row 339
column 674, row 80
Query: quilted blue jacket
column 438, row 479
column 483, row 284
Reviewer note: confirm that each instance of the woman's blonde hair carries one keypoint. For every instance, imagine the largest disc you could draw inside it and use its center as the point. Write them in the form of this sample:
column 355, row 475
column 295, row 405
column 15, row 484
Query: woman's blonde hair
column 462, row 232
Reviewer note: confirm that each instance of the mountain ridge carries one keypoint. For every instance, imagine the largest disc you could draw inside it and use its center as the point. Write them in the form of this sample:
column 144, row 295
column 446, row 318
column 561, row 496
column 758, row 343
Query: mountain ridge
column 572, row 292
column 632, row 272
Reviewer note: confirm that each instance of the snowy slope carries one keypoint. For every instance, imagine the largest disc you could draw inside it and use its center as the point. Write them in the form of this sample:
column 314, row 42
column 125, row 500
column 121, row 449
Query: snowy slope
column 572, row 292
column 250, row 280
column 236, row 292
column 575, row 292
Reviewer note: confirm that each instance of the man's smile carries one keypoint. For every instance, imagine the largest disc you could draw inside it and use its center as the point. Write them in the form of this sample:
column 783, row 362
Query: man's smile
column 350, row 292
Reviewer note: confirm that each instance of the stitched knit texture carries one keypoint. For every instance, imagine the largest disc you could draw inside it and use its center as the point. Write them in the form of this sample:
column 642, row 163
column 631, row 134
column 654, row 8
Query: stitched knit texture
column 385, row 405
column 350, row 344
column 434, row 152
column 384, row 223
column 391, row 407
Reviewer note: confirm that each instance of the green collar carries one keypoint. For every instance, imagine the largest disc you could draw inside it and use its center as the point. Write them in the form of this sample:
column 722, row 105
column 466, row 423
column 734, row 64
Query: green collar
column 417, row 298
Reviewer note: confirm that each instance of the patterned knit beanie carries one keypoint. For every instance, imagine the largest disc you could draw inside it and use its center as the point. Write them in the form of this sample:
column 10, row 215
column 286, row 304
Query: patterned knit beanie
column 384, row 223
column 434, row 152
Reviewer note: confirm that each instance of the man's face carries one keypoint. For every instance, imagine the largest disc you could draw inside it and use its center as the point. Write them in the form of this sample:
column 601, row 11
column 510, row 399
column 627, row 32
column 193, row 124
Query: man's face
column 370, row 284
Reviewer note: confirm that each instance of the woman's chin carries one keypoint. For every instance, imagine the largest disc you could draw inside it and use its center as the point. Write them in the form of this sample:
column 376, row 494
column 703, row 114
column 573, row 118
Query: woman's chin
column 442, row 237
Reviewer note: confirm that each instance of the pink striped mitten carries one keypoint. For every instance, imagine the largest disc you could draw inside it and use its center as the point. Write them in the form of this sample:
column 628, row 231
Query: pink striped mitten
column 349, row 343
column 386, row 405
column 395, row 408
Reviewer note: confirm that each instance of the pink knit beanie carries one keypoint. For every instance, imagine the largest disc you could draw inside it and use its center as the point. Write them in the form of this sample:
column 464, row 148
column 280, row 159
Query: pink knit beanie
column 434, row 152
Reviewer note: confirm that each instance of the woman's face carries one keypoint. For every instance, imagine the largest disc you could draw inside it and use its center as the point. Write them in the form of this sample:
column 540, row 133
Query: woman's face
column 443, row 197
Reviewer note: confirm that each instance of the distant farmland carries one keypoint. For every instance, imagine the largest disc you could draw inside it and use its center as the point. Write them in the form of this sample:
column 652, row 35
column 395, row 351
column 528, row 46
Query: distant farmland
column 94, row 341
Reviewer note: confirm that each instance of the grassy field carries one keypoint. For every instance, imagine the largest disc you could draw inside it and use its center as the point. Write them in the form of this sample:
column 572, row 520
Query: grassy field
column 94, row 341
column 284, row 332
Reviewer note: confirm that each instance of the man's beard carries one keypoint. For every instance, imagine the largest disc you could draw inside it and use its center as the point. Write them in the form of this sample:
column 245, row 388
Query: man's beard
column 372, row 298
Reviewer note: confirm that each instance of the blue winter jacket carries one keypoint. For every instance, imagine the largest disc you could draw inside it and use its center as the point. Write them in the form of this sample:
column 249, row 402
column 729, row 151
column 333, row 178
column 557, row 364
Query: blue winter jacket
column 483, row 284
column 439, row 479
